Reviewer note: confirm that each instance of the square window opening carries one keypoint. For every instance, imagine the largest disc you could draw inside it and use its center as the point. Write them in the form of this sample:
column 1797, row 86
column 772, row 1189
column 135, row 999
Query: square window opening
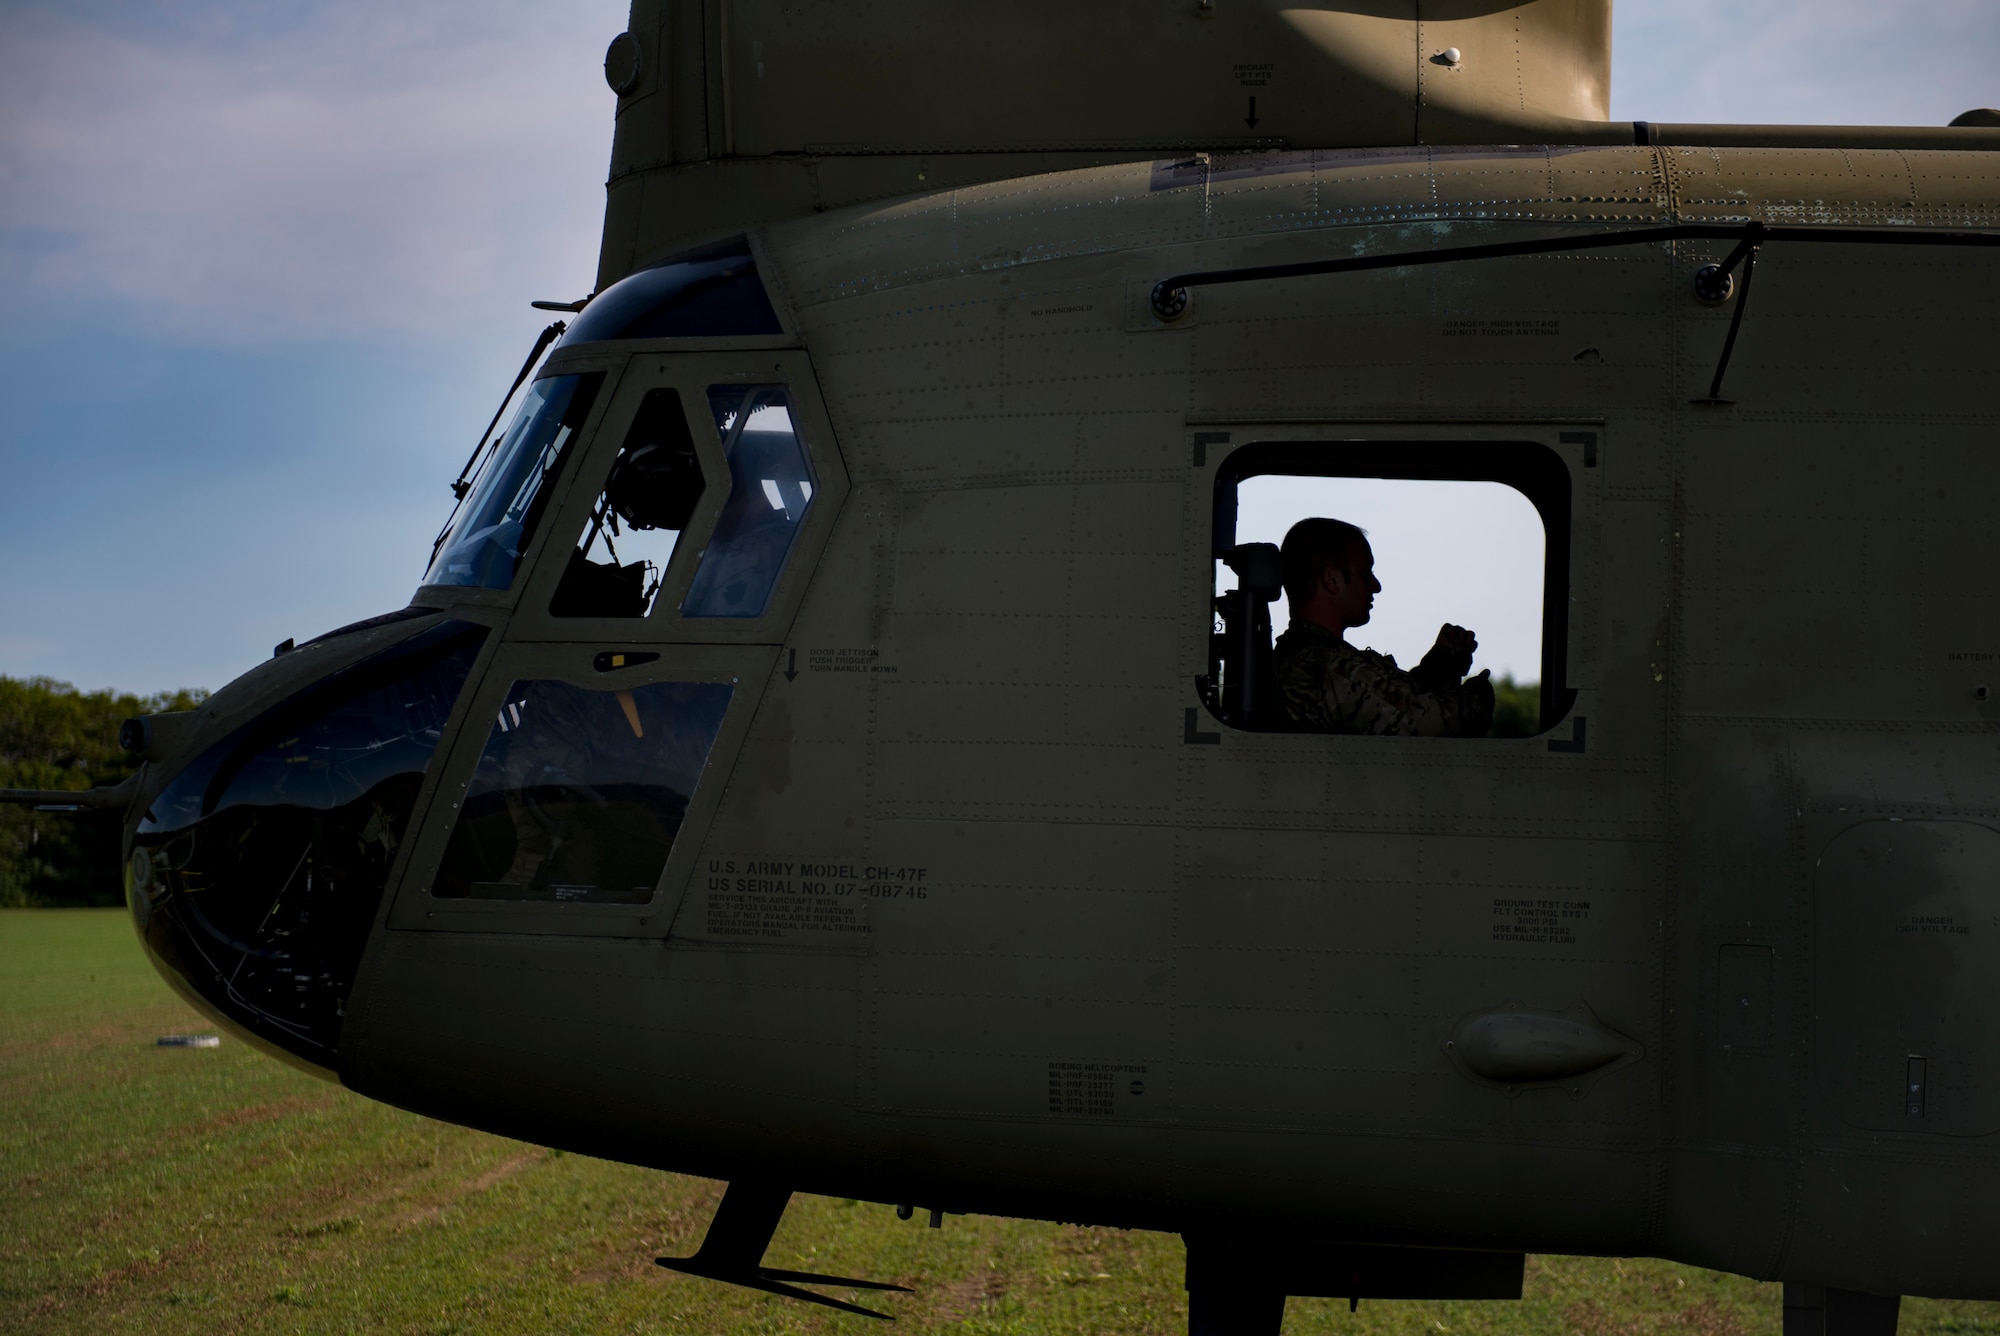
column 1461, row 535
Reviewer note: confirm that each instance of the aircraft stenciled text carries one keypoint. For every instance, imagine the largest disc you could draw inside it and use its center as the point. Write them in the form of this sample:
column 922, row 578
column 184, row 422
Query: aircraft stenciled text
column 1090, row 1089
column 1502, row 329
column 1943, row 924
column 772, row 898
column 1538, row 922
column 853, row 660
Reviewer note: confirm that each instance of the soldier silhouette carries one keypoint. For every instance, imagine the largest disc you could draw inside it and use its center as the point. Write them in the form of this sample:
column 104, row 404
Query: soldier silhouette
column 1329, row 686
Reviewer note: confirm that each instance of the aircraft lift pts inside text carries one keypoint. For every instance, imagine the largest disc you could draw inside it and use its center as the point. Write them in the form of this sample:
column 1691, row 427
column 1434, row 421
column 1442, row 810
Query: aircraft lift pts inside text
column 832, row 747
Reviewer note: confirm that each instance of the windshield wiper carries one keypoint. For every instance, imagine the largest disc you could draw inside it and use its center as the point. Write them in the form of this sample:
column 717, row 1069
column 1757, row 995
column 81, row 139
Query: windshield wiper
column 462, row 484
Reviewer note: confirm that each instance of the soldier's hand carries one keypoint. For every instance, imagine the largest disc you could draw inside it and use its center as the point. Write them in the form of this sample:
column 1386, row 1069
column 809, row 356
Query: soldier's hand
column 1454, row 649
column 1478, row 707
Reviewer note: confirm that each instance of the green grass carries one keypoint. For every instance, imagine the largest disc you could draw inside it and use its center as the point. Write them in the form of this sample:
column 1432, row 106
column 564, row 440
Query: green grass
column 186, row 1190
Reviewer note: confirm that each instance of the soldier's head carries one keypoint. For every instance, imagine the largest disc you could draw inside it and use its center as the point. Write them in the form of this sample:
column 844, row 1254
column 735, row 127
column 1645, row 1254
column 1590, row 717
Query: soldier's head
column 1329, row 574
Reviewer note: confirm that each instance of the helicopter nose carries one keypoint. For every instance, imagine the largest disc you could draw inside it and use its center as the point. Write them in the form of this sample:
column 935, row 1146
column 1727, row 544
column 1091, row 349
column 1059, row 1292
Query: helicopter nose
column 256, row 872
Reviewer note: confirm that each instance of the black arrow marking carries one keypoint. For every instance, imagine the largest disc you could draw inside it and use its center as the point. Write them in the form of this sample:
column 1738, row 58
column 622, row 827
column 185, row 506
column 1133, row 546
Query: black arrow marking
column 792, row 666
column 1251, row 119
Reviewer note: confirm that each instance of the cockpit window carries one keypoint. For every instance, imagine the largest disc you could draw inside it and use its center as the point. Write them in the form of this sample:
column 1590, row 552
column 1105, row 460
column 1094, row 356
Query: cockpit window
column 637, row 520
column 483, row 547
column 579, row 793
column 770, row 490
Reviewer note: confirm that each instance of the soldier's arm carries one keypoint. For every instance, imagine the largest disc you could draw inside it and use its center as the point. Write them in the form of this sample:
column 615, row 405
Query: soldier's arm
column 1365, row 695
column 1369, row 694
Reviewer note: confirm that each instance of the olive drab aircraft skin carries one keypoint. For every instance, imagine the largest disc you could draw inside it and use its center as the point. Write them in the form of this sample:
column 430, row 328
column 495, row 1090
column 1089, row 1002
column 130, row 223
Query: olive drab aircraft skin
column 908, row 826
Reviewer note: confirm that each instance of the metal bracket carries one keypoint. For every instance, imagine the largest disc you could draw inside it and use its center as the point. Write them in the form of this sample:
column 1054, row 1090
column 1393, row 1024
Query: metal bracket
column 1745, row 254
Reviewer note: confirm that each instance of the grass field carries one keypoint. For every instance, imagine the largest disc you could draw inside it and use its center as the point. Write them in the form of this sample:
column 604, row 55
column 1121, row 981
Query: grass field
column 162, row 1191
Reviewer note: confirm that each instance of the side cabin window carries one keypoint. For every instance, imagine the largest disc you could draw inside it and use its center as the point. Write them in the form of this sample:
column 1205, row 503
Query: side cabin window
column 1423, row 590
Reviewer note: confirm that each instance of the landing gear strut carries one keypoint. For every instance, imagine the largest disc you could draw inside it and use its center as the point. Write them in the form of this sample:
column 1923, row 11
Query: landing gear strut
column 733, row 1250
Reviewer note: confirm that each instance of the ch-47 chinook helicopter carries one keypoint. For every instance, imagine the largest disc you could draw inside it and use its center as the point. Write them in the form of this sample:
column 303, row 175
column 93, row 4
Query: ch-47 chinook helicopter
column 832, row 749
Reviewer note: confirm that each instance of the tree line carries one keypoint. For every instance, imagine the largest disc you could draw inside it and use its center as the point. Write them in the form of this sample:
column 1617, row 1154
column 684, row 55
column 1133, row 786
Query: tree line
column 53, row 736
column 1517, row 709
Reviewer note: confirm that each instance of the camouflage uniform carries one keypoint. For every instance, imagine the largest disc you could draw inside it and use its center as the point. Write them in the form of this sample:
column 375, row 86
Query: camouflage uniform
column 1328, row 686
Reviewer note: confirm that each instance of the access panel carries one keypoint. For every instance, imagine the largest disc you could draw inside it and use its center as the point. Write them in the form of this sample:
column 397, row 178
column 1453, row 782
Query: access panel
column 1906, row 997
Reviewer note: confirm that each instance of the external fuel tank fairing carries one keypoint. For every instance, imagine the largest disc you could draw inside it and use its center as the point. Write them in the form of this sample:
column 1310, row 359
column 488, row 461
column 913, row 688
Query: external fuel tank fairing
column 812, row 758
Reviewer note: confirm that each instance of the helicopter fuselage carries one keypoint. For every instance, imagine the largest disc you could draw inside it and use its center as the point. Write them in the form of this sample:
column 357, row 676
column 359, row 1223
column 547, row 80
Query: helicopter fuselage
column 967, row 888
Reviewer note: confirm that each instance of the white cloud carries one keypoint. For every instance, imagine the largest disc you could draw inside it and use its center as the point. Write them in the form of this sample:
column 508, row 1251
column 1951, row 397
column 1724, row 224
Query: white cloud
column 366, row 171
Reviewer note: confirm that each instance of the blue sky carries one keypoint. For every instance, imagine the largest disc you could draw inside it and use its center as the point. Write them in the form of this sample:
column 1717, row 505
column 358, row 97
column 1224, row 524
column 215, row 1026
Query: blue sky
column 264, row 270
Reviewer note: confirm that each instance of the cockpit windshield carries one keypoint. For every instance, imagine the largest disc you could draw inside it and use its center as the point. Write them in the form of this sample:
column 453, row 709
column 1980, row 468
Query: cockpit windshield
column 483, row 546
